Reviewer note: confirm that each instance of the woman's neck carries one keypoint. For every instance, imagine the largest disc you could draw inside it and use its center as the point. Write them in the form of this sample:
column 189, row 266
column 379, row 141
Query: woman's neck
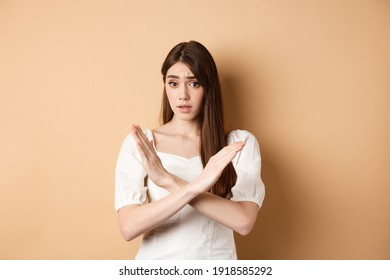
column 186, row 128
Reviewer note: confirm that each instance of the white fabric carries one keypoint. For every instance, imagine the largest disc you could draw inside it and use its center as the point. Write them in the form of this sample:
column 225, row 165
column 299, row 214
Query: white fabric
column 187, row 234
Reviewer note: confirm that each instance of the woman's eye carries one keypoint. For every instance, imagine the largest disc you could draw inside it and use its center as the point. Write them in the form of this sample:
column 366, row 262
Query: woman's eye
column 194, row 84
column 172, row 84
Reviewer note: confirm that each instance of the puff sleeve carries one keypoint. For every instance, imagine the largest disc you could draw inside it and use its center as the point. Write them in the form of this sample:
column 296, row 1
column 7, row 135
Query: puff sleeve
column 247, row 163
column 129, row 175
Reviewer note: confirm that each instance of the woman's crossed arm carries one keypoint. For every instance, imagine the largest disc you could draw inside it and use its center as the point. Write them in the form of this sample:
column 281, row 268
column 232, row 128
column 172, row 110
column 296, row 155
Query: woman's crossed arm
column 135, row 220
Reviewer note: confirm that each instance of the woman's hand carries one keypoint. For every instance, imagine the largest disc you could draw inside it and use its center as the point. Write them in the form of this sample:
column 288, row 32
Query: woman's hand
column 152, row 163
column 161, row 177
column 217, row 164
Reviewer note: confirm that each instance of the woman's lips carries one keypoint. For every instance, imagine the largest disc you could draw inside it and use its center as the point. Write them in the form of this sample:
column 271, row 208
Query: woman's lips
column 184, row 108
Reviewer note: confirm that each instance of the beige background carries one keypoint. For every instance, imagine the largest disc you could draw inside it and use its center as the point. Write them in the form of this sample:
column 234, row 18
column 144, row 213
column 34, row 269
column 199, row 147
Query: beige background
column 308, row 78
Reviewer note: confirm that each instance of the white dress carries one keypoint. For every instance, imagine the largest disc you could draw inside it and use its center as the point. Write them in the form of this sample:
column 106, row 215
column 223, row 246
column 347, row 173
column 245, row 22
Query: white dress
column 187, row 234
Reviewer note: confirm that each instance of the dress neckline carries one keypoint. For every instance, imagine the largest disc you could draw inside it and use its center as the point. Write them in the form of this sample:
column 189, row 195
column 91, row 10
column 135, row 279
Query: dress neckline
column 177, row 156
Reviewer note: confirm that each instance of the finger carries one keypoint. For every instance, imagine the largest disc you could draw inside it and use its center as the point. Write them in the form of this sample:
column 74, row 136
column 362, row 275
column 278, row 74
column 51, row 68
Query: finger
column 143, row 140
column 134, row 132
column 237, row 147
column 141, row 151
column 232, row 148
column 137, row 135
column 142, row 148
column 229, row 152
column 152, row 145
column 140, row 132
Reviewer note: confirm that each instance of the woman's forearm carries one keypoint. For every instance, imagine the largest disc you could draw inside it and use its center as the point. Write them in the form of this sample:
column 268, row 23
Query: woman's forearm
column 135, row 220
column 239, row 216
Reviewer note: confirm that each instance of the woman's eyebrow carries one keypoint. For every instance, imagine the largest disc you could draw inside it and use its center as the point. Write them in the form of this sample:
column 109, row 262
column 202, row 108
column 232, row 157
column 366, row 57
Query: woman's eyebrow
column 177, row 77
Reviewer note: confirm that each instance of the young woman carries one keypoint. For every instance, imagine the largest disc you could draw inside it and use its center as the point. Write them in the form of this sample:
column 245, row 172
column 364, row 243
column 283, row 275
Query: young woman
column 187, row 185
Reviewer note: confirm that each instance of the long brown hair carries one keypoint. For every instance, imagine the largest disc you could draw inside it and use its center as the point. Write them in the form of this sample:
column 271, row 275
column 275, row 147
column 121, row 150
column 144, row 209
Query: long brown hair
column 212, row 135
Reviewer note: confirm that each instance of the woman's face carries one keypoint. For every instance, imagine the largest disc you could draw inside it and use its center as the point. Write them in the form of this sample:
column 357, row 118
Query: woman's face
column 184, row 93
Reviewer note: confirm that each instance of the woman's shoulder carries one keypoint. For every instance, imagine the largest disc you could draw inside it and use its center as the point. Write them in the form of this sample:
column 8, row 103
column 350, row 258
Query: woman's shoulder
column 240, row 135
column 160, row 131
column 165, row 129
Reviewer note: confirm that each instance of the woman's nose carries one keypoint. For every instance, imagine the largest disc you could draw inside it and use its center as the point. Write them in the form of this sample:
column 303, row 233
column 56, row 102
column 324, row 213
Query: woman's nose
column 183, row 94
